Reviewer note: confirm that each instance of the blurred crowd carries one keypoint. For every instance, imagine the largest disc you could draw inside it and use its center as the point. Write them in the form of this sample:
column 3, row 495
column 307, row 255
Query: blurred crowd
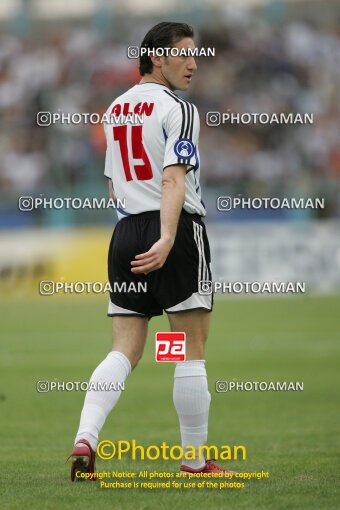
column 294, row 67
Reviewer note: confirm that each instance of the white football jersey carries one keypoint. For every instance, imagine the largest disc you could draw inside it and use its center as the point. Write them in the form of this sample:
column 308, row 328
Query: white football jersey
column 150, row 129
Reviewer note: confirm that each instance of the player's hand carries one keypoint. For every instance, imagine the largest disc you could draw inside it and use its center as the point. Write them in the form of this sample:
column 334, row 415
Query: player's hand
column 153, row 259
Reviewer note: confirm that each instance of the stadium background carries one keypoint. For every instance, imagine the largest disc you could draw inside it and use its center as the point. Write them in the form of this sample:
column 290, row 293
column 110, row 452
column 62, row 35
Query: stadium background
column 271, row 56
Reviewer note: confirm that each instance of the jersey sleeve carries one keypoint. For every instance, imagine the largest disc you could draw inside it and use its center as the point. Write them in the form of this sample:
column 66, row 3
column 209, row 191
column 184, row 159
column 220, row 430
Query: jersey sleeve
column 181, row 132
column 108, row 163
column 108, row 158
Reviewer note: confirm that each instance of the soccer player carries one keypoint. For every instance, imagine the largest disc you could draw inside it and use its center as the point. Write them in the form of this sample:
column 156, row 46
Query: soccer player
column 160, row 239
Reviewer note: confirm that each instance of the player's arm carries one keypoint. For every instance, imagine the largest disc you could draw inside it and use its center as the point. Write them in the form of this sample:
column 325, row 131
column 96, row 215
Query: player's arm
column 173, row 192
column 111, row 192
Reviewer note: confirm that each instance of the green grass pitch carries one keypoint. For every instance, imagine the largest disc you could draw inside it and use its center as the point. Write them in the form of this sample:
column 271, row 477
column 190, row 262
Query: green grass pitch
column 293, row 435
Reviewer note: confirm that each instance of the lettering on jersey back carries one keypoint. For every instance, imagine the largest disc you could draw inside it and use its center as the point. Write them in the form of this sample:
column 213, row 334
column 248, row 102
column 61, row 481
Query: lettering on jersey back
column 142, row 108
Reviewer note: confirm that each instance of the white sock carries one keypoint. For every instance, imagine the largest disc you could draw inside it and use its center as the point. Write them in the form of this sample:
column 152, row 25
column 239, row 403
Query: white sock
column 192, row 401
column 115, row 368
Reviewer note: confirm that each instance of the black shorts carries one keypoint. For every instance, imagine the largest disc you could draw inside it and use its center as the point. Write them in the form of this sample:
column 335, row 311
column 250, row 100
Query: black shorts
column 176, row 286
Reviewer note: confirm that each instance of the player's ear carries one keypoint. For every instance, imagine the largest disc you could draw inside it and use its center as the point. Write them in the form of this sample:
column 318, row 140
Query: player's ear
column 156, row 60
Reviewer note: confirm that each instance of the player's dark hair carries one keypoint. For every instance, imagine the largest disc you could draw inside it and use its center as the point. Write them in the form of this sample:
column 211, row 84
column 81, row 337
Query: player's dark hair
column 163, row 35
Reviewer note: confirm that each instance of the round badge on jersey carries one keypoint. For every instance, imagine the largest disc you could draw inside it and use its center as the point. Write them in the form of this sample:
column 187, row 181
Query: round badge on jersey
column 184, row 148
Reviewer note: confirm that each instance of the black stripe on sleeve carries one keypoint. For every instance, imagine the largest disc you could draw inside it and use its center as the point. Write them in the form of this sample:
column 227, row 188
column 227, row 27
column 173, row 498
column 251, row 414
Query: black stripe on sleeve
column 192, row 121
column 187, row 119
column 183, row 115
